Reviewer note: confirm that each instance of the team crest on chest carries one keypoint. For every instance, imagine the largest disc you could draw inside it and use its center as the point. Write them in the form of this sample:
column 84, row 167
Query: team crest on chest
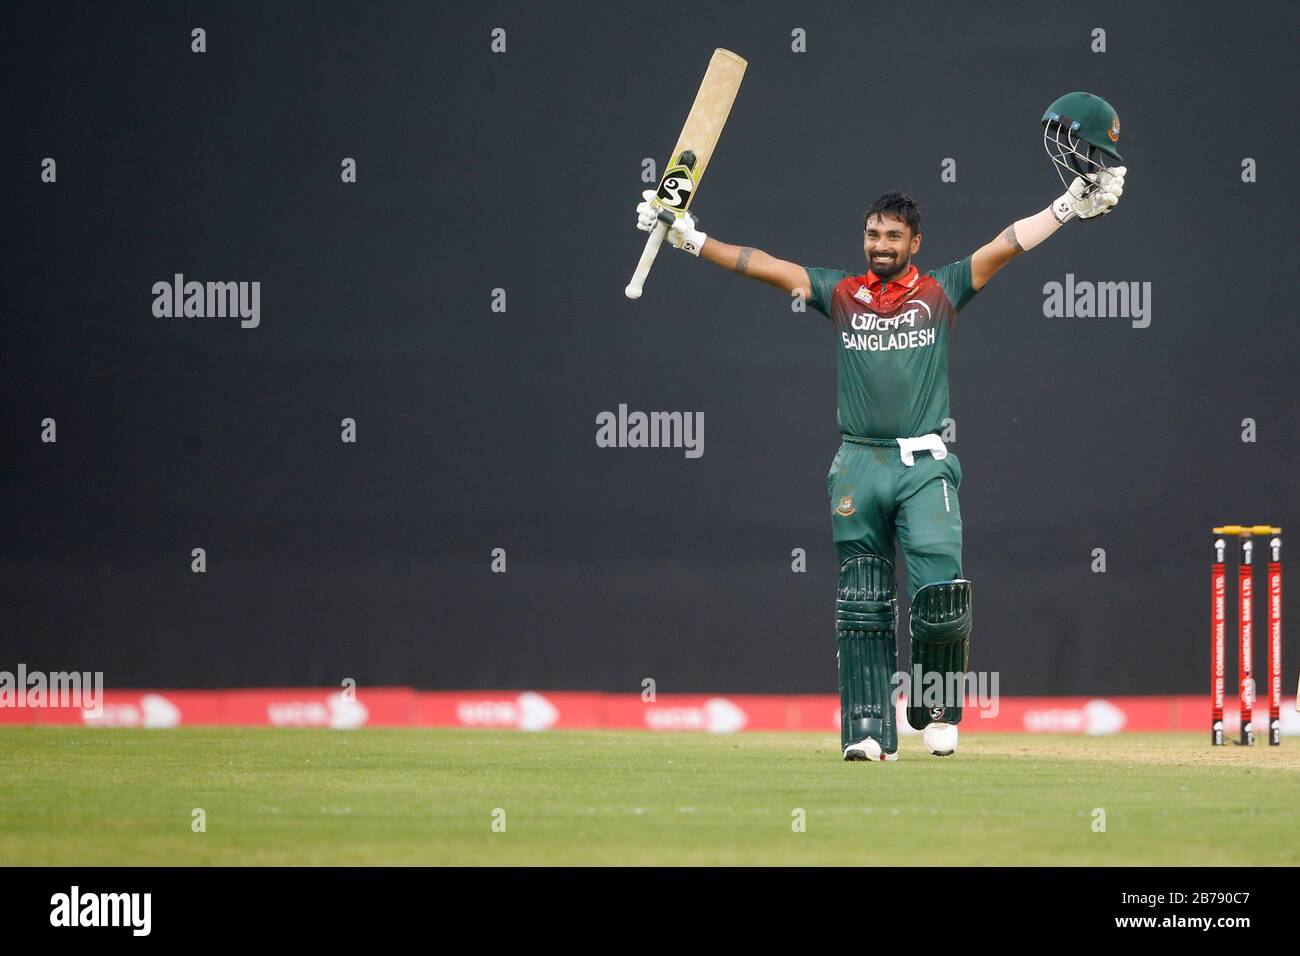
column 846, row 506
column 863, row 294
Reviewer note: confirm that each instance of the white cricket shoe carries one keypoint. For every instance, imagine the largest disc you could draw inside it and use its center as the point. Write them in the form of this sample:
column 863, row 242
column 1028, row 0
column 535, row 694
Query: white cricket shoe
column 868, row 749
column 940, row 739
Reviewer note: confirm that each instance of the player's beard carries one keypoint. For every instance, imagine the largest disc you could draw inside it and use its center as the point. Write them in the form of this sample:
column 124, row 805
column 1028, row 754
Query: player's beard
column 895, row 268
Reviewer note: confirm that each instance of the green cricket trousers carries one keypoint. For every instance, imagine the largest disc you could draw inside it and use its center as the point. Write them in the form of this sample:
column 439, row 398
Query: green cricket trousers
column 877, row 500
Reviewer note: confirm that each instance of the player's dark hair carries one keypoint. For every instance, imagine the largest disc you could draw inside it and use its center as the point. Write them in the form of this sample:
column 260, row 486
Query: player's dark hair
column 898, row 206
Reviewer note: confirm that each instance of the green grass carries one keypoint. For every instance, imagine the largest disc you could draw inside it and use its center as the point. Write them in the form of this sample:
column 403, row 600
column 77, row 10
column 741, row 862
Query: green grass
column 72, row 796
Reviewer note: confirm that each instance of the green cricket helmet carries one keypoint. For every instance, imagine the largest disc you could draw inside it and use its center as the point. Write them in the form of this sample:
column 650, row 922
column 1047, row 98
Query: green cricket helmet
column 1080, row 131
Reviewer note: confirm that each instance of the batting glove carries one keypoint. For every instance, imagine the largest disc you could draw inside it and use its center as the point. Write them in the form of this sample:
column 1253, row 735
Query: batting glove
column 681, row 235
column 647, row 213
column 1090, row 205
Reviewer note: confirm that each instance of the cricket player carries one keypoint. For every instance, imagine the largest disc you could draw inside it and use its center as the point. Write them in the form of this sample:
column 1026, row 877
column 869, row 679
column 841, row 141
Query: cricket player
column 893, row 481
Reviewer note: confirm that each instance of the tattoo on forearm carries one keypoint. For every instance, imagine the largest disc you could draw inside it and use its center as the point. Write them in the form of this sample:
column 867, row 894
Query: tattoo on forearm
column 742, row 260
column 1010, row 236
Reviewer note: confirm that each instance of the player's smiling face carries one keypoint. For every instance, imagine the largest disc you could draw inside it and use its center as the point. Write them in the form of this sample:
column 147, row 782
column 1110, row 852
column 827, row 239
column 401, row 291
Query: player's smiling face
column 889, row 245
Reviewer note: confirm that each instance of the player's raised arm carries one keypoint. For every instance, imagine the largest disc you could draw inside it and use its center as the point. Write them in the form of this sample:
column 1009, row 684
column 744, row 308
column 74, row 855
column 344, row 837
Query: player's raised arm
column 757, row 264
column 1080, row 131
column 1089, row 198
column 744, row 260
column 691, row 155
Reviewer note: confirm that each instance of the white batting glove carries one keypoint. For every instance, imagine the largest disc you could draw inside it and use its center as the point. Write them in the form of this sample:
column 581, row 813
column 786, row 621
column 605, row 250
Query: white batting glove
column 1102, row 199
column 647, row 213
column 681, row 235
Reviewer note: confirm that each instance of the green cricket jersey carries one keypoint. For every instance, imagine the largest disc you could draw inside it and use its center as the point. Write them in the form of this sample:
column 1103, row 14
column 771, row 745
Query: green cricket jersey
column 892, row 341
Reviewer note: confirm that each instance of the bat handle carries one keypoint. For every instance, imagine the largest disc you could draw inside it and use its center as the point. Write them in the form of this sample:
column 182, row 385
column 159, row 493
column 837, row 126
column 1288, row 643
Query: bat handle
column 652, row 243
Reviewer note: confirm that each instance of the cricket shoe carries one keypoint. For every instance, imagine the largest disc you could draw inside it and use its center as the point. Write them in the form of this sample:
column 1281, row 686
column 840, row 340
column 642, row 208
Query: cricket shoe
column 940, row 739
column 868, row 749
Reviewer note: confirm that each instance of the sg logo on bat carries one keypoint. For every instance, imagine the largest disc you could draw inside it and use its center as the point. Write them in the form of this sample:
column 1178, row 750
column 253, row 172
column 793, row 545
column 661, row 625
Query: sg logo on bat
column 676, row 188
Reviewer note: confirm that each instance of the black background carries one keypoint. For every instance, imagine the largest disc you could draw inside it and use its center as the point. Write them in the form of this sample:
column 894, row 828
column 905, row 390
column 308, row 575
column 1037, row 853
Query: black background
column 520, row 171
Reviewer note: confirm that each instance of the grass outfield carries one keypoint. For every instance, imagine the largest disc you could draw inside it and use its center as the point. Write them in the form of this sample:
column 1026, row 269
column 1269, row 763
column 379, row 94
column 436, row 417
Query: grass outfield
column 74, row 796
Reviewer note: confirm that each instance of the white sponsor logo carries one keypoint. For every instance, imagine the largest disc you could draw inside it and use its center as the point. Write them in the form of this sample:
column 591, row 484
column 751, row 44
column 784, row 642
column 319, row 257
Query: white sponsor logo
column 528, row 711
column 888, row 329
column 337, row 712
column 154, row 710
column 717, row 716
column 870, row 322
column 1096, row 718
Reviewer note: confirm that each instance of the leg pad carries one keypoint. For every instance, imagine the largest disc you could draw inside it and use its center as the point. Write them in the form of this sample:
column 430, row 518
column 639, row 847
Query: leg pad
column 866, row 621
column 941, row 622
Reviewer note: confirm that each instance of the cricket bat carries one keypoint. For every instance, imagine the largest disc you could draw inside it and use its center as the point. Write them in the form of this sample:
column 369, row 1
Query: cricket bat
column 691, row 155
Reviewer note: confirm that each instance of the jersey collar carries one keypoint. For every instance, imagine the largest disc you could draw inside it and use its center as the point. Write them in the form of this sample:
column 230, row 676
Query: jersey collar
column 906, row 281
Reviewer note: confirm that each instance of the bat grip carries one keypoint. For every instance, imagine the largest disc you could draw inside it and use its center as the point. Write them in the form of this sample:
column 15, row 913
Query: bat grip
column 652, row 244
